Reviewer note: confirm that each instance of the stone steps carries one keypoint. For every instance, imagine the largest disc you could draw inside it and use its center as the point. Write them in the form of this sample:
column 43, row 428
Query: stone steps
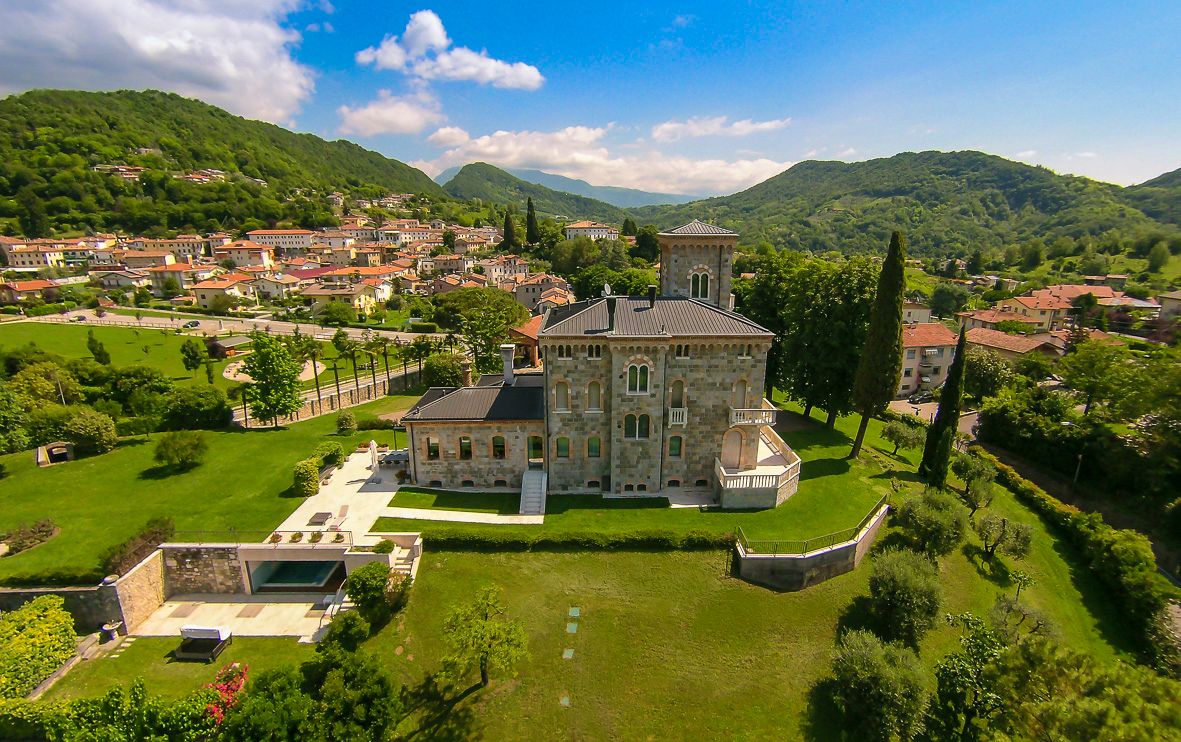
column 533, row 486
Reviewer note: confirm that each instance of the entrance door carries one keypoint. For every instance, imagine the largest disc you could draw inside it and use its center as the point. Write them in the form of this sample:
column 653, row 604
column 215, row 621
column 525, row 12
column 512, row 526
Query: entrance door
column 731, row 449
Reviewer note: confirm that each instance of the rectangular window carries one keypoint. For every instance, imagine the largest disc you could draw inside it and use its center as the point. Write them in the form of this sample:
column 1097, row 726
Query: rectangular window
column 498, row 447
column 432, row 449
column 910, row 352
column 465, row 448
column 594, row 399
column 674, row 447
column 936, row 370
column 594, row 447
column 907, row 373
column 563, row 448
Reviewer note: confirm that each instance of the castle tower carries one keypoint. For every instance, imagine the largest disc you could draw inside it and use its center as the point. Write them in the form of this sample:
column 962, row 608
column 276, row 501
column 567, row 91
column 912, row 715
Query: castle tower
column 696, row 261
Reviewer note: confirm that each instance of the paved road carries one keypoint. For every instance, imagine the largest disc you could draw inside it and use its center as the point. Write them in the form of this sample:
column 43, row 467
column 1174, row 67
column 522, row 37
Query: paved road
column 926, row 411
column 216, row 325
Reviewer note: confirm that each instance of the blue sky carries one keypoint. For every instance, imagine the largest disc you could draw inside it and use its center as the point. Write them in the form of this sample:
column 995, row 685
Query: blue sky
column 686, row 97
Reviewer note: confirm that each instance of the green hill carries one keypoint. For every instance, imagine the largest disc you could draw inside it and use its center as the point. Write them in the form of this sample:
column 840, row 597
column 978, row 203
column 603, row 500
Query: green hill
column 489, row 183
column 1160, row 197
column 947, row 202
column 50, row 140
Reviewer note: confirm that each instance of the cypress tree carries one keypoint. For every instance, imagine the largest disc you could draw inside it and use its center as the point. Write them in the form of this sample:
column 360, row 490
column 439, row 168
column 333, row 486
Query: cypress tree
column 941, row 434
column 532, row 233
column 880, row 366
column 510, row 233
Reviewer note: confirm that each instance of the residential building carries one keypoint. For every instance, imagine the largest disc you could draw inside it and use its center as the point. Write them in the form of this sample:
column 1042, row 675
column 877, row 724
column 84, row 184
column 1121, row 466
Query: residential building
column 1170, row 305
column 529, row 291
column 124, row 279
column 453, row 263
column 14, row 291
column 186, row 275
column 285, row 241
column 1012, row 347
column 237, row 287
column 913, row 311
column 637, row 396
column 246, row 252
column 928, row 349
column 1049, row 311
column 593, row 230
column 990, row 318
column 271, row 288
column 361, row 296
column 146, row 258
column 37, row 256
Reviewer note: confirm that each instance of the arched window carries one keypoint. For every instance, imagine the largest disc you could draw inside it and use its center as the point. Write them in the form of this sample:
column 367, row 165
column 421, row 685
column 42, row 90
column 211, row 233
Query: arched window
column 629, row 426
column 594, row 351
column 465, row 447
column 738, row 395
column 498, row 448
column 677, row 397
column 563, row 448
column 637, row 379
column 699, row 286
column 645, row 423
column 562, row 392
column 594, row 447
column 594, row 396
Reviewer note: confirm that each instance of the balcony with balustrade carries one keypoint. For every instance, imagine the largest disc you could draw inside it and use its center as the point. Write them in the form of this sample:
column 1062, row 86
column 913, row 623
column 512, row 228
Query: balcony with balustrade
column 774, row 477
column 678, row 415
column 763, row 415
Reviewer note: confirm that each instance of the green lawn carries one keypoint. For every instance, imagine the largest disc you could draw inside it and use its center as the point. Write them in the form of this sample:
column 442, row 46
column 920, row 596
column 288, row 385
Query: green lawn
column 100, row 501
column 503, row 503
column 150, row 658
column 125, row 344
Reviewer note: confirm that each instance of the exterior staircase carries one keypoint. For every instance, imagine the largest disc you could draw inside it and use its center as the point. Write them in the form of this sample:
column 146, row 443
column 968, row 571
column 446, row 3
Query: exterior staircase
column 533, row 485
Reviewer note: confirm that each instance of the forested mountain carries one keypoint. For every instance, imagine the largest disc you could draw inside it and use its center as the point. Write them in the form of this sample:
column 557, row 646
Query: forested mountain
column 948, row 202
column 614, row 195
column 50, row 140
column 490, row 183
column 1160, row 197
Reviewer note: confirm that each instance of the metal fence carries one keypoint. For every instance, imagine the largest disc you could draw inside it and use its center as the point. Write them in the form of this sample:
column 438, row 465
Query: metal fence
column 807, row 546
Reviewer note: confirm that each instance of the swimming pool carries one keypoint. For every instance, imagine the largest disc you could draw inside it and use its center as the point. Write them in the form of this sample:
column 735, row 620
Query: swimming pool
column 289, row 575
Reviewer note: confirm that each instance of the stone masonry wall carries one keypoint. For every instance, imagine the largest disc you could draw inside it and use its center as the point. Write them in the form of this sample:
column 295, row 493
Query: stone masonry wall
column 481, row 470
column 197, row 568
column 91, row 607
column 141, row 591
column 709, row 254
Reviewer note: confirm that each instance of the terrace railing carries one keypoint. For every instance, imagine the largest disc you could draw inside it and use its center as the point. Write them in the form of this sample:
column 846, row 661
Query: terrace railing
column 807, row 546
column 303, row 537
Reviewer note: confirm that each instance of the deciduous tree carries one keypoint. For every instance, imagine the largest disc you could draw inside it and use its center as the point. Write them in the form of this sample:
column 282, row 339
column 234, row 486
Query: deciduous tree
column 879, row 688
column 484, row 637
column 275, row 374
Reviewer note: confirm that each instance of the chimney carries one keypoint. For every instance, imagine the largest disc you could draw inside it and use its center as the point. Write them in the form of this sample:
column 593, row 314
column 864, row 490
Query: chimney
column 506, row 353
column 610, row 314
column 466, row 372
column 651, row 295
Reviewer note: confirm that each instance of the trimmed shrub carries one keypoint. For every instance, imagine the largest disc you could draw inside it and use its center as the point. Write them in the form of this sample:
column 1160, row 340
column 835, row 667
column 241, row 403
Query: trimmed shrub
column 35, row 640
column 423, row 327
column 502, row 539
column 346, row 422
column 348, row 631
column 385, row 546
column 120, row 558
column 306, row 478
column 936, row 522
column 330, row 454
column 376, row 423
column 181, row 448
column 196, row 408
column 368, row 587
column 90, row 431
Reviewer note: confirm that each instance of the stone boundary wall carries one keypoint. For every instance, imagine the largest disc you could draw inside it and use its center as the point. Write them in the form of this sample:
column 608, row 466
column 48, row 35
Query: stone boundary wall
column 798, row 571
column 91, row 607
column 202, row 568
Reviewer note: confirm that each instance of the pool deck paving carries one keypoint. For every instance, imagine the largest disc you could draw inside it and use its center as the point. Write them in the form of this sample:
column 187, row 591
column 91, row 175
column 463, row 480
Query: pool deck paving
column 353, row 486
column 269, row 614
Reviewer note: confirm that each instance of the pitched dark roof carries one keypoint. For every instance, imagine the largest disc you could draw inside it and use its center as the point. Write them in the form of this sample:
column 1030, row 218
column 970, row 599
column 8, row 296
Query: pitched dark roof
column 479, row 403
column 698, row 227
column 668, row 316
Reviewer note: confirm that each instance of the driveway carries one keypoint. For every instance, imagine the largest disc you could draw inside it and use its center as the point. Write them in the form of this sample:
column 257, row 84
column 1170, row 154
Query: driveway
column 926, row 410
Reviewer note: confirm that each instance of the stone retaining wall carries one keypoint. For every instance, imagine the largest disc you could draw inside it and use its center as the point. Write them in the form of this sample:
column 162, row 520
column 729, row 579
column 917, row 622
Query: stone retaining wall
column 798, row 571
column 91, row 607
column 141, row 591
column 202, row 568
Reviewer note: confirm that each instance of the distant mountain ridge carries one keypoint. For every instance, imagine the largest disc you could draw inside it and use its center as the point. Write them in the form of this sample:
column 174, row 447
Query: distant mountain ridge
column 616, row 196
column 945, row 202
column 490, row 183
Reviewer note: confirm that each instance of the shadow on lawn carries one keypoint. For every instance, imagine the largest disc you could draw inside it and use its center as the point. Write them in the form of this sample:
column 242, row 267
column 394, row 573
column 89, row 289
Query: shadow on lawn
column 435, row 708
column 822, row 719
column 164, row 471
column 816, row 468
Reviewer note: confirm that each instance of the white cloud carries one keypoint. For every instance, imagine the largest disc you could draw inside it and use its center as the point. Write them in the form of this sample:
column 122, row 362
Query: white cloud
column 232, row 54
column 682, row 21
column 579, row 152
column 847, row 152
column 449, row 136
column 390, row 114
column 702, row 126
column 424, row 51
column 1026, row 154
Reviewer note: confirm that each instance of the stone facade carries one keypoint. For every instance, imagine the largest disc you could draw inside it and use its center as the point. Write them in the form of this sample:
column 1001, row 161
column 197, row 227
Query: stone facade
column 682, row 256
column 704, row 377
column 482, row 469
column 197, row 568
column 141, row 590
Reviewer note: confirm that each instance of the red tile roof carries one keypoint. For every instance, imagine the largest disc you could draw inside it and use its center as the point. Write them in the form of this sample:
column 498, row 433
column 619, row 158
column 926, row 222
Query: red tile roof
column 1003, row 341
column 927, row 335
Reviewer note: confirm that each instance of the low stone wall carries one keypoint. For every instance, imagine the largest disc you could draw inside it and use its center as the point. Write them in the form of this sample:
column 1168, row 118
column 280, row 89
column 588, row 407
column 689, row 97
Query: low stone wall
column 202, row 568
column 91, row 607
column 798, row 571
column 141, row 590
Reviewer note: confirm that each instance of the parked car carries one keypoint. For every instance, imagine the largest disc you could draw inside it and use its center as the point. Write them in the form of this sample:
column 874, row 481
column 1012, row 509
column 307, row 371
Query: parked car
column 78, row 318
column 920, row 397
column 191, row 324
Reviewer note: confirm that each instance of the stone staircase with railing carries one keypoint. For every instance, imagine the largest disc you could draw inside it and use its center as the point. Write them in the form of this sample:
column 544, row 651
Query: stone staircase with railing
column 533, row 485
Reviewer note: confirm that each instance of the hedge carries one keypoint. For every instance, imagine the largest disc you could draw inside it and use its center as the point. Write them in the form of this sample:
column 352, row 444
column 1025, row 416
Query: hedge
column 422, row 327
column 35, row 640
column 120, row 559
column 1121, row 559
column 457, row 539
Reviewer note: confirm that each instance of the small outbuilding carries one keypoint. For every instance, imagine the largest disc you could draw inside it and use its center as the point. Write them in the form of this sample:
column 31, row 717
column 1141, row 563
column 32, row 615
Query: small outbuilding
column 226, row 347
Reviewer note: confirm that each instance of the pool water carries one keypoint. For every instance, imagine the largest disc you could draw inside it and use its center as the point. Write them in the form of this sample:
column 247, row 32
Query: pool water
column 301, row 573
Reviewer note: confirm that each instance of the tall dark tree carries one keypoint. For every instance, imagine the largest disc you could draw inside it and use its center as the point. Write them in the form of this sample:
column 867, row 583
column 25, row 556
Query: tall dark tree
column 96, row 348
column 532, row 232
column 629, row 227
column 32, row 217
column 510, row 232
column 880, row 366
column 941, row 433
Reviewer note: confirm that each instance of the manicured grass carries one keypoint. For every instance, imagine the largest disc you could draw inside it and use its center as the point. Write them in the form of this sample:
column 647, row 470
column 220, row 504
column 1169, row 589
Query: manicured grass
column 100, row 501
column 125, row 344
column 503, row 503
column 150, row 658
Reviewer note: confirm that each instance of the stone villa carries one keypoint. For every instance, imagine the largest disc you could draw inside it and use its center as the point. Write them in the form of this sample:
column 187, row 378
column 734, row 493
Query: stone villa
column 648, row 395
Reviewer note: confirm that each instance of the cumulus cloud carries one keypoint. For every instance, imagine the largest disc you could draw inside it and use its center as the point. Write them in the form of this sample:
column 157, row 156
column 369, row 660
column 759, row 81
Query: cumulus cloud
column 232, row 54
column 391, row 114
column 424, row 51
column 580, row 152
column 704, row 126
column 449, row 136
column 1025, row 154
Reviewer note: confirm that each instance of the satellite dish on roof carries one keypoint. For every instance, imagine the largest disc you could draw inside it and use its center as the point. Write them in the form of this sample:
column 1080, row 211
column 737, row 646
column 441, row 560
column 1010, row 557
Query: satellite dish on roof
column 606, row 289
